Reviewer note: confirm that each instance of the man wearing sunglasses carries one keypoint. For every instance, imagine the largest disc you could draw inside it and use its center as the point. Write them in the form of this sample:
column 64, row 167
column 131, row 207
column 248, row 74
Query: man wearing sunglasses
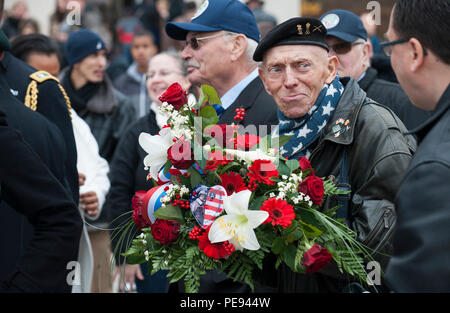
column 347, row 40
column 420, row 55
column 220, row 41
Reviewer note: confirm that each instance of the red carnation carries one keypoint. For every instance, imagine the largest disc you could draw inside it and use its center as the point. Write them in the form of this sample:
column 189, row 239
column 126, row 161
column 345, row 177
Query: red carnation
column 316, row 258
column 280, row 212
column 232, row 182
column 313, row 187
column 181, row 155
column 175, row 95
column 262, row 171
column 136, row 204
column 214, row 250
column 165, row 231
column 305, row 165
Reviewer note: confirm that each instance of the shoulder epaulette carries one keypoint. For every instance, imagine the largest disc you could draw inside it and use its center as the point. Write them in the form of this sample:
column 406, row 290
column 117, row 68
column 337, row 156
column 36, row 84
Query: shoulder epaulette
column 42, row 76
column 32, row 90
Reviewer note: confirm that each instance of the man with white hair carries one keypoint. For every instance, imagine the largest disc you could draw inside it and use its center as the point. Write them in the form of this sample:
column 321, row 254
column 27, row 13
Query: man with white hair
column 220, row 41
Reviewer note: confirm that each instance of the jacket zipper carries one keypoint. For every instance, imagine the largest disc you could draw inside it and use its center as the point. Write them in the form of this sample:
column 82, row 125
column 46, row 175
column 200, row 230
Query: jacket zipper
column 383, row 222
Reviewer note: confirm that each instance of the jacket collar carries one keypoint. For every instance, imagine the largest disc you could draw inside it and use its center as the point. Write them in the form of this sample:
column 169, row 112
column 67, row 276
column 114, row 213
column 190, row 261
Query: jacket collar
column 442, row 106
column 341, row 126
column 368, row 79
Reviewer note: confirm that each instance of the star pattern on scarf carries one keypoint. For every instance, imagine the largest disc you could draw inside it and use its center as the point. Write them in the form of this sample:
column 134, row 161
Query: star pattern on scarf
column 327, row 109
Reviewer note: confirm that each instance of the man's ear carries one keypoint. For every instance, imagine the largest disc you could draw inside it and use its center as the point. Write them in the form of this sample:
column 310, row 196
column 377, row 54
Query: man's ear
column 332, row 66
column 239, row 45
column 416, row 54
column 261, row 75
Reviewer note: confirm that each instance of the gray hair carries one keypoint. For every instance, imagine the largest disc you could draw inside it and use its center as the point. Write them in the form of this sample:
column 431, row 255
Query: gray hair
column 250, row 50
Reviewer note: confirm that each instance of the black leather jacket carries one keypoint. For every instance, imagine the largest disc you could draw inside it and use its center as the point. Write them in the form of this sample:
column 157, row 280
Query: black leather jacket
column 379, row 153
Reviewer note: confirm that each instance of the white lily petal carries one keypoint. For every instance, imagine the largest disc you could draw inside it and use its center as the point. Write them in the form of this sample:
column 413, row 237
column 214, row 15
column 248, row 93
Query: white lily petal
column 237, row 203
column 236, row 244
column 223, row 228
column 148, row 142
column 256, row 218
column 250, row 241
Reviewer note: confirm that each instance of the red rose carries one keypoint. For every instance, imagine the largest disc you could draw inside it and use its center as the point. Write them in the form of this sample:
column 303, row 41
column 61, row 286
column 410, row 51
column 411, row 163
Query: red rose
column 316, row 258
column 175, row 95
column 280, row 212
column 181, row 155
column 165, row 231
column 305, row 164
column 262, row 171
column 313, row 187
column 136, row 204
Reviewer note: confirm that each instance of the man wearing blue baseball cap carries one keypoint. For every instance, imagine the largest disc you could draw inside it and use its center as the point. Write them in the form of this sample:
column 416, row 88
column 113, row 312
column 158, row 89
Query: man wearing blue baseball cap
column 348, row 41
column 220, row 41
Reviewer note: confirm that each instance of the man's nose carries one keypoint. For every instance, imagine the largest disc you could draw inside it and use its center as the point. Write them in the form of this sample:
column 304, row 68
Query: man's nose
column 186, row 53
column 290, row 80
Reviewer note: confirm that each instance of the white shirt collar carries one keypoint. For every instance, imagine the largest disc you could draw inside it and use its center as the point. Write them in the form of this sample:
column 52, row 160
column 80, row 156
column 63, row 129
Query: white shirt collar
column 231, row 95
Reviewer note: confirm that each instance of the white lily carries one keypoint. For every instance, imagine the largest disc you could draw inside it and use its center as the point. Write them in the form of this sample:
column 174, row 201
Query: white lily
column 156, row 147
column 239, row 223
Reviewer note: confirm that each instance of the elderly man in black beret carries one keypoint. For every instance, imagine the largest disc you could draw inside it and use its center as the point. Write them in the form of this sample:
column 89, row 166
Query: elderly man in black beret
column 345, row 135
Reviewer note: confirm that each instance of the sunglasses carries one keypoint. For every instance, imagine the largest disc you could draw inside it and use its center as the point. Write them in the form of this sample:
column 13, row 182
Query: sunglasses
column 194, row 41
column 344, row 47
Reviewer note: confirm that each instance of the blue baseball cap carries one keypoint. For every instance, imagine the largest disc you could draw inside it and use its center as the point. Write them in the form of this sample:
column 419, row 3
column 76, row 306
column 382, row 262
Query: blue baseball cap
column 344, row 25
column 215, row 15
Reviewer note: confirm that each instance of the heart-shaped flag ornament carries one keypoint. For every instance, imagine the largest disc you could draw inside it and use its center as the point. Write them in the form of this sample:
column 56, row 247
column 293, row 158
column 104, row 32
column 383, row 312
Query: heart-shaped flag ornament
column 206, row 204
column 152, row 202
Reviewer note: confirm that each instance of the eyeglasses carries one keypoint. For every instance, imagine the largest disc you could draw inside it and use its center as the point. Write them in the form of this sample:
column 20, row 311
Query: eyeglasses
column 193, row 42
column 387, row 46
column 344, row 47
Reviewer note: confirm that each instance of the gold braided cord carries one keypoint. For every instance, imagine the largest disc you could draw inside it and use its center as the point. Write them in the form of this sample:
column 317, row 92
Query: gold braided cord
column 67, row 99
column 31, row 96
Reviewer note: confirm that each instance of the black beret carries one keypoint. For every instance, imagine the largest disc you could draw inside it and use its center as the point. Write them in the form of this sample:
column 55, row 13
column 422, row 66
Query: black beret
column 295, row 31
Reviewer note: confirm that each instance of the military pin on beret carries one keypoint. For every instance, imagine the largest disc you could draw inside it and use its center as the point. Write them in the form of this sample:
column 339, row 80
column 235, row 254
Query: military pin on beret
column 295, row 31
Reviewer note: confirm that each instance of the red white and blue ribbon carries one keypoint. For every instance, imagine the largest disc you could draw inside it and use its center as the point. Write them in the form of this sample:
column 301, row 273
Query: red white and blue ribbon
column 152, row 202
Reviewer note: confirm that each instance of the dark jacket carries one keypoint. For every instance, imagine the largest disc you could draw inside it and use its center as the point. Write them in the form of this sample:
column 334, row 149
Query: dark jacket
column 29, row 187
column 378, row 156
column 260, row 108
column 52, row 105
column 47, row 142
column 127, row 175
column 421, row 259
column 392, row 95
